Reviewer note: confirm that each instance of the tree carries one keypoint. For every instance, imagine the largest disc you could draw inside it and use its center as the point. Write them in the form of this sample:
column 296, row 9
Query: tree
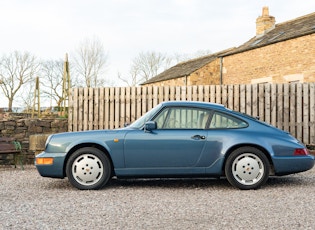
column 16, row 69
column 145, row 66
column 52, row 79
column 26, row 96
column 149, row 64
column 90, row 62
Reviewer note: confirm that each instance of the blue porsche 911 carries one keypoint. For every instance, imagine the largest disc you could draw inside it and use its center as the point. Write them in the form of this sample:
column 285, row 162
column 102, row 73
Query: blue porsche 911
column 176, row 139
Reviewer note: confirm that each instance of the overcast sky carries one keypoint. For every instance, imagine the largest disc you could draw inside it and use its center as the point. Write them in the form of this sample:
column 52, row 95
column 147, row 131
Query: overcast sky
column 49, row 29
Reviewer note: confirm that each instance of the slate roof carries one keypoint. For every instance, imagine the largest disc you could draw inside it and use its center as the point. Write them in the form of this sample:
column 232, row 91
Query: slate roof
column 298, row 27
column 295, row 28
column 184, row 68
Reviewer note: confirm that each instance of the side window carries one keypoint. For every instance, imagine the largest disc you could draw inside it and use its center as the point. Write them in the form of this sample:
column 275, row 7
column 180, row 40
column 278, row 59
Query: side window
column 160, row 119
column 225, row 121
column 182, row 118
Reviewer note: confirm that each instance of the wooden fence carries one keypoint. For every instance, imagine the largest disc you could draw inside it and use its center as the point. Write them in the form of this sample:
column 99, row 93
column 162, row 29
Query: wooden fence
column 290, row 107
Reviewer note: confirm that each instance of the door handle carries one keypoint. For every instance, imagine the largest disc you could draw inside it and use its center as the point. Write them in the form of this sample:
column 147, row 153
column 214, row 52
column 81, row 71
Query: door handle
column 197, row 137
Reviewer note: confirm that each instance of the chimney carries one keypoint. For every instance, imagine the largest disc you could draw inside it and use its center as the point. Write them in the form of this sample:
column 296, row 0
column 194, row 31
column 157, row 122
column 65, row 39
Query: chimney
column 264, row 23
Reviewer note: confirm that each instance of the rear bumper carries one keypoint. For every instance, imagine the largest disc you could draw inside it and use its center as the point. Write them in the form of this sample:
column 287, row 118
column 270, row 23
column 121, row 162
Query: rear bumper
column 294, row 164
column 55, row 170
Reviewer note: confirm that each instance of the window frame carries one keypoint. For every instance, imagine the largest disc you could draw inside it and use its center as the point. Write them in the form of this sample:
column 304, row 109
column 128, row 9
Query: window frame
column 171, row 108
column 228, row 115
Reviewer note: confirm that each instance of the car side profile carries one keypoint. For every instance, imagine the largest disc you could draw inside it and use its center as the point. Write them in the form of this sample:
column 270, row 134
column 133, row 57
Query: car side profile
column 176, row 139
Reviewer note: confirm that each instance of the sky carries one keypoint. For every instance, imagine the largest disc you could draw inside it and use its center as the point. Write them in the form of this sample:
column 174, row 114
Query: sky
column 50, row 29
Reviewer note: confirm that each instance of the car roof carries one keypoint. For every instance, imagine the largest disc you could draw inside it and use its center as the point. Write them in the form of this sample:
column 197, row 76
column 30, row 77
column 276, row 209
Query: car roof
column 195, row 104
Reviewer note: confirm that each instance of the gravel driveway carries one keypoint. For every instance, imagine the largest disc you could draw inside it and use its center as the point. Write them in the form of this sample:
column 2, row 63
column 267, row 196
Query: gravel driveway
column 29, row 201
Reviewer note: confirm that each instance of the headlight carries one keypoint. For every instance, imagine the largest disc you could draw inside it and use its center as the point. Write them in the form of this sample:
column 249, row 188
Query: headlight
column 48, row 140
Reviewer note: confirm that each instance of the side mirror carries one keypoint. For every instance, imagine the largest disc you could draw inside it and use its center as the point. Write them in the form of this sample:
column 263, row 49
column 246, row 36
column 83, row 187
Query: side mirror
column 149, row 126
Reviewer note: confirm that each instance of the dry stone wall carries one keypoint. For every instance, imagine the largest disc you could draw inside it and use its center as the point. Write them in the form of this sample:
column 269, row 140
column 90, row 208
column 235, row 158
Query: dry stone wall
column 21, row 128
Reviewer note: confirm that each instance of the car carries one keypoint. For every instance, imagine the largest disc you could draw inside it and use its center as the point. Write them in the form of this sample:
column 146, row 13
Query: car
column 176, row 139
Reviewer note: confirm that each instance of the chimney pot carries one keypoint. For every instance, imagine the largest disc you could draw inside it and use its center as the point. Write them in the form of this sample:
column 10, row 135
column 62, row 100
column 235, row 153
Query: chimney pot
column 265, row 23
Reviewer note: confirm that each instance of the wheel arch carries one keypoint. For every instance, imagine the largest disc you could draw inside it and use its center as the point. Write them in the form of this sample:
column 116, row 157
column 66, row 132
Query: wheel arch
column 264, row 150
column 88, row 144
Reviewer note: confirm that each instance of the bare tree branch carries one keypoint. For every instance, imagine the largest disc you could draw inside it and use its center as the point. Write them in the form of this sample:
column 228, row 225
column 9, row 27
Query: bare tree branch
column 51, row 80
column 16, row 69
column 90, row 62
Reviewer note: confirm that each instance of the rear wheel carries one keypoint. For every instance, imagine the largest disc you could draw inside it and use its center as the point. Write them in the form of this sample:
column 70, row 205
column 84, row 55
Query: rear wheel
column 247, row 168
column 88, row 168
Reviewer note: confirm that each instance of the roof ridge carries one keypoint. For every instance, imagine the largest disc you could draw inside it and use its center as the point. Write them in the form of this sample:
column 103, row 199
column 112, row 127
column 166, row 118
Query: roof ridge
column 295, row 19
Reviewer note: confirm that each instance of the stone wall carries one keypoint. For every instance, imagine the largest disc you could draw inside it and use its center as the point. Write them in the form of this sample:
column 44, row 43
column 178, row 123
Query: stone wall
column 283, row 62
column 22, row 128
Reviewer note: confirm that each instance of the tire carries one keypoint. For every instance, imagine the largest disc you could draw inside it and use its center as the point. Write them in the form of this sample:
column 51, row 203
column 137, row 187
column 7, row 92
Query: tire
column 247, row 168
column 88, row 168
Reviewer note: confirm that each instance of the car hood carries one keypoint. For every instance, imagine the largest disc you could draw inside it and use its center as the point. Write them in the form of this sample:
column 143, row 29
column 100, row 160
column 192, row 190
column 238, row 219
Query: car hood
column 62, row 142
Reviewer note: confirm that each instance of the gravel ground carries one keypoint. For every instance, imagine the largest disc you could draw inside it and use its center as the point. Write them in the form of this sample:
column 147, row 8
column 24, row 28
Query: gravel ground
column 29, row 201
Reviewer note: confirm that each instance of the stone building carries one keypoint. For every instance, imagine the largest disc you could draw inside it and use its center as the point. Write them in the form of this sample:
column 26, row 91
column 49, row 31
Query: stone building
column 279, row 53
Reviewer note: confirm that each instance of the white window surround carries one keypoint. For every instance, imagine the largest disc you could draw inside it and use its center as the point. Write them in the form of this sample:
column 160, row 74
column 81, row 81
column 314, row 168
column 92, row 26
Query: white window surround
column 294, row 78
column 262, row 80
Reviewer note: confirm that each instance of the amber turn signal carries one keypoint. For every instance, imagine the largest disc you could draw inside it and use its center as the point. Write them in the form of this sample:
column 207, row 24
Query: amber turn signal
column 44, row 161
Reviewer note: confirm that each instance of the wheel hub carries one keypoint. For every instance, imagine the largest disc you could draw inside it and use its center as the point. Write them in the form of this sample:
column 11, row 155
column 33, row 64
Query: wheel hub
column 87, row 169
column 248, row 169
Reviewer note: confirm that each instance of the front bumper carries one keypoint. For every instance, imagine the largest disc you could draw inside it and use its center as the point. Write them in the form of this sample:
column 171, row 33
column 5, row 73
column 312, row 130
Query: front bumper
column 56, row 169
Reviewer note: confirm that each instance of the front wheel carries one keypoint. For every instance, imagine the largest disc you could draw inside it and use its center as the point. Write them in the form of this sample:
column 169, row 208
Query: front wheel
column 88, row 168
column 247, row 168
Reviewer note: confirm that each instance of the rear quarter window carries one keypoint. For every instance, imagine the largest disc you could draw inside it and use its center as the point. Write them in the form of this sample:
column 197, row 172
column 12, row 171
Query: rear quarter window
column 225, row 121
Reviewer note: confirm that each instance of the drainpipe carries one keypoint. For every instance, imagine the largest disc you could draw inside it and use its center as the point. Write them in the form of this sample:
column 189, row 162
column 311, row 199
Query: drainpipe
column 221, row 70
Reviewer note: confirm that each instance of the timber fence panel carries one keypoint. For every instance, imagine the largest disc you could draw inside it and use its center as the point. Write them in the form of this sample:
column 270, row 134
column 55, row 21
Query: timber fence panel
column 201, row 93
column 122, row 101
column 107, row 110
column 80, row 110
column 292, row 110
column 254, row 103
column 111, row 108
column 86, row 108
column 189, row 93
column 230, row 104
column 218, row 94
column 96, row 111
column 286, row 107
column 212, row 93
column 128, row 105
column 267, row 105
column 91, row 108
column 207, row 93
column 279, row 107
column 101, row 108
column 73, row 113
column 194, row 93
column 290, row 107
column 183, row 93
column 224, row 97
column 248, row 100
column 306, row 116
column 117, row 107
column 261, row 101
column 273, row 104
column 299, row 111
column 243, row 98
column 139, row 102
column 236, row 98
column 312, row 113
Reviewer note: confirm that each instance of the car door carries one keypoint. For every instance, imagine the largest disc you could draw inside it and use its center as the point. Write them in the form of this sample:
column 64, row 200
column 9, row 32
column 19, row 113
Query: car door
column 177, row 142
